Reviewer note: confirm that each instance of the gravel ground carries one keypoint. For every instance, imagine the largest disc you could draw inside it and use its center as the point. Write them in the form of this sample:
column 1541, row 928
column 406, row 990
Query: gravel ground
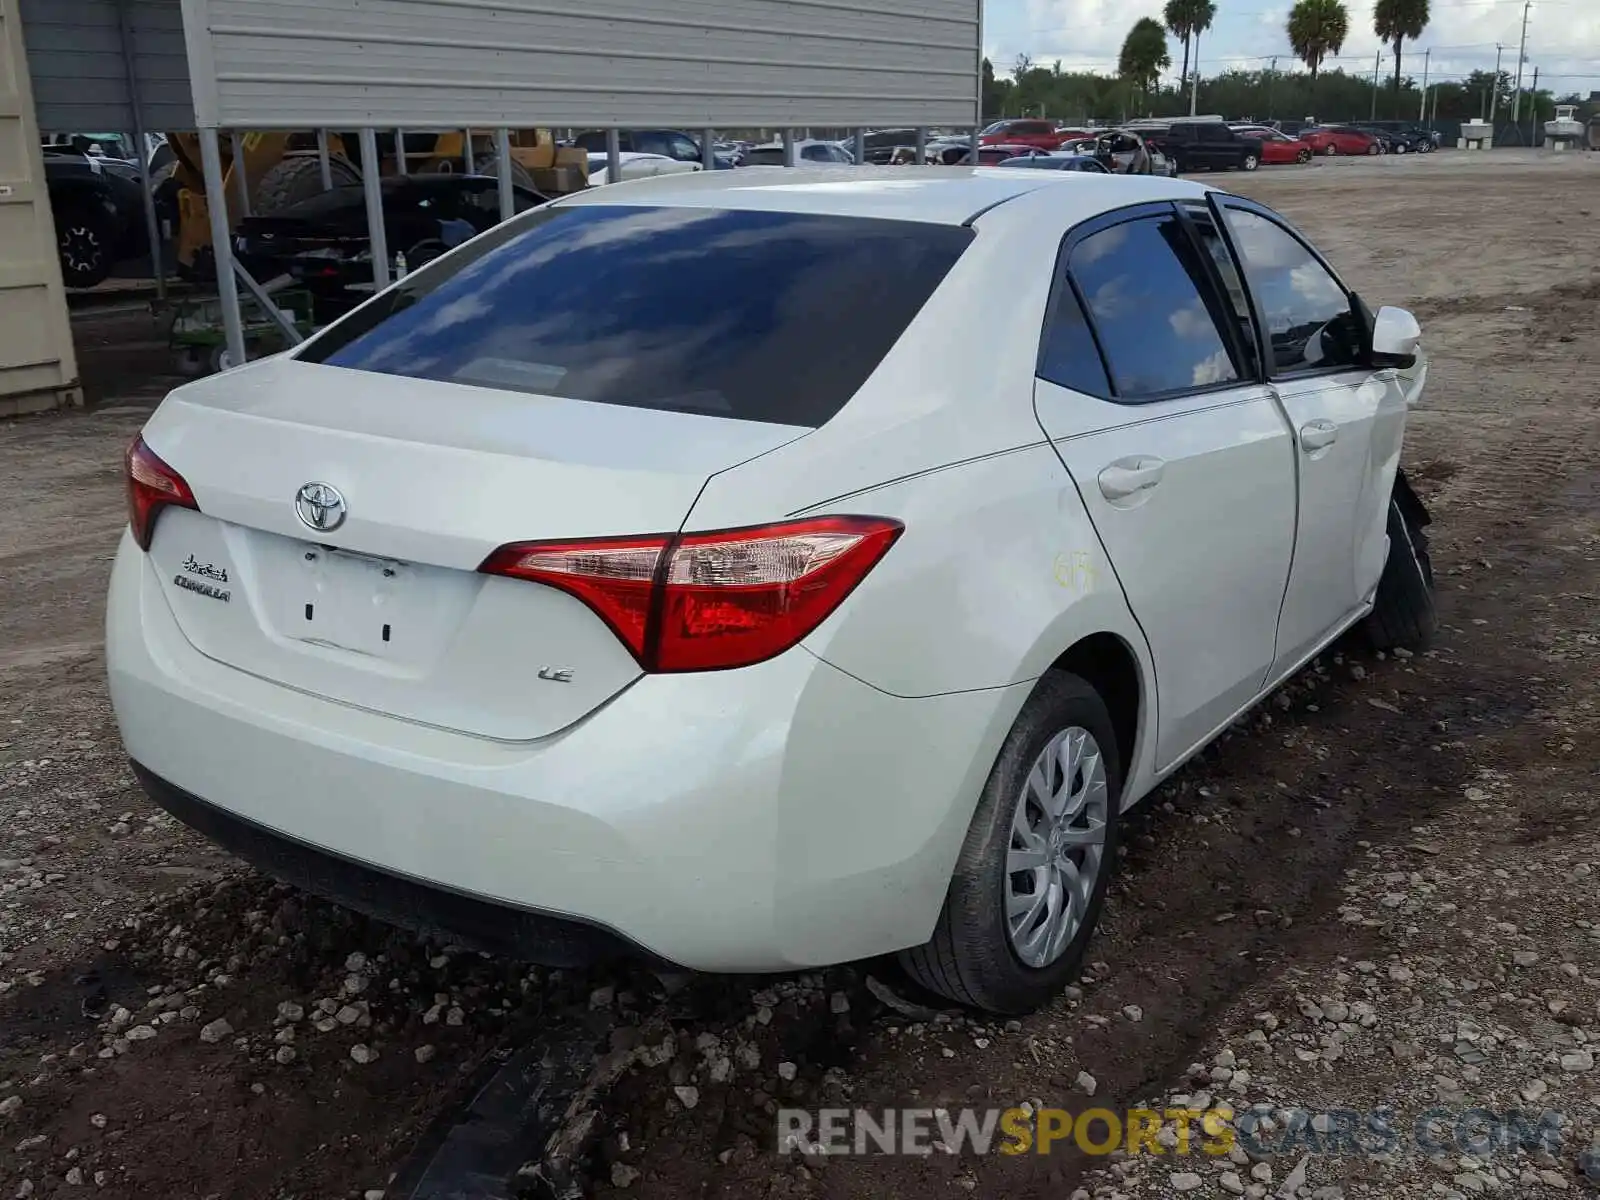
column 1379, row 889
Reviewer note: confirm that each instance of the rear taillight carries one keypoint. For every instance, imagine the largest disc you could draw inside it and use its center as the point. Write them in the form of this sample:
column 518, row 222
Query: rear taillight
column 152, row 486
column 709, row 601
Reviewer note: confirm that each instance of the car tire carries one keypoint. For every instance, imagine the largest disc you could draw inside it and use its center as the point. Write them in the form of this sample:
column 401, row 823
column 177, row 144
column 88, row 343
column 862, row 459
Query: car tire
column 1375, row 148
column 1403, row 614
column 1303, row 157
column 1250, row 162
column 1332, row 150
column 296, row 178
column 974, row 956
column 520, row 175
column 85, row 235
column 1400, row 148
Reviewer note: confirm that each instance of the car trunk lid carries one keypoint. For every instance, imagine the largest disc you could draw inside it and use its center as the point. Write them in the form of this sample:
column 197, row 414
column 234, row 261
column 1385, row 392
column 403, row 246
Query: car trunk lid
column 384, row 607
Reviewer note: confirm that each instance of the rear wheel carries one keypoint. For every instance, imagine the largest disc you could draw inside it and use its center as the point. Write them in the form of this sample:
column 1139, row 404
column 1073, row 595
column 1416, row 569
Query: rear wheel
column 1403, row 614
column 1399, row 147
column 1375, row 148
column 1303, row 157
column 1251, row 162
column 1331, row 150
column 1032, row 874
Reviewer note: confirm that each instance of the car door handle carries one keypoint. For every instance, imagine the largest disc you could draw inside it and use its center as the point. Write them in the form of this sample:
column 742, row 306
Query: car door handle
column 1130, row 476
column 1318, row 435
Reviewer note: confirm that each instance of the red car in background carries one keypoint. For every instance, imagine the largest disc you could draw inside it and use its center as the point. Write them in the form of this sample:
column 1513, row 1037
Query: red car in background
column 1339, row 139
column 1021, row 131
column 1276, row 146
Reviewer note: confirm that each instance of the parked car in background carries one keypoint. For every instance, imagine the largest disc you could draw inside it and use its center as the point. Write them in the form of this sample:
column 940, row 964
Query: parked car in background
column 993, row 156
column 98, row 206
column 881, row 144
column 1204, row 144
column 1040, row 135
column 632, row 165
column 1118, row 150
column 805, row 151
column 508, row 609
column 672, row 143
column 1401, row 140
column 1331, row 140
column 1056, row 160
column 1276, row 147
column 322, row 243
column 947, row 151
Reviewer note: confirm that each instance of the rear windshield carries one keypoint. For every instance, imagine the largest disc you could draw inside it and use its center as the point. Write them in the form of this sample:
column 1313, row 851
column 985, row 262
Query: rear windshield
column 759, row 316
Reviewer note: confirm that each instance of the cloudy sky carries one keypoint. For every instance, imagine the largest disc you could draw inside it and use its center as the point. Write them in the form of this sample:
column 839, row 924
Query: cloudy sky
column 1563, row 36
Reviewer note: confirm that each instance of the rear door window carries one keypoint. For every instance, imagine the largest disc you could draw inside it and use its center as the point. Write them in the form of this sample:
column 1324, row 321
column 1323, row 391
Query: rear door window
column 719, row 312
column 1154, row 309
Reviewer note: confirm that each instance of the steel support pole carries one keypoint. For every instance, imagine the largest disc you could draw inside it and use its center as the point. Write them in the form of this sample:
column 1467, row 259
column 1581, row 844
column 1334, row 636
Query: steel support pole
column 324, row 161
column 222, row 244
column 788, row 148
column 400, row 164
column 613, row 156
column 467, row 164
column 508, row 198
column 152, row 225
column 241, row 177
column 922, row 146
column 861, row 146
column 973, row 157
column 371, row 184
column 708, row 149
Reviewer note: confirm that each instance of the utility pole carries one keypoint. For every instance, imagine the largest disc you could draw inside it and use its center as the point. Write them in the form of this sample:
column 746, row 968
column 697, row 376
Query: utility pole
column 1426, row 56
column 1522, row 55
column 1194, row 80
column 1494, row 86
column 1377, row 64
column 1533, row 111
column 1272, row 75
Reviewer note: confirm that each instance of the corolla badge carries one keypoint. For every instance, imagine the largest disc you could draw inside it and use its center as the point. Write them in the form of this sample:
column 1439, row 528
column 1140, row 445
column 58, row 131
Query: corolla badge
column 320, row 506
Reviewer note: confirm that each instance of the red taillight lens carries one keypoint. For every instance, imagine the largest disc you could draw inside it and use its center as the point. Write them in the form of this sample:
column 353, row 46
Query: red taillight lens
column 152, row 485
column 709, row 601
column 613, row 576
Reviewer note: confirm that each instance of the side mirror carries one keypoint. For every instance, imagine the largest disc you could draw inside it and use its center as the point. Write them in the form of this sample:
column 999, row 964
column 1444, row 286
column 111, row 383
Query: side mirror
column 1395, row 338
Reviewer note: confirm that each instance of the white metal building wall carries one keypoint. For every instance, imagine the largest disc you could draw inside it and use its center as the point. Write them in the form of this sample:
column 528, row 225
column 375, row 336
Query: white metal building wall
column 80, row 77
column 37, row 367
column 689, row 63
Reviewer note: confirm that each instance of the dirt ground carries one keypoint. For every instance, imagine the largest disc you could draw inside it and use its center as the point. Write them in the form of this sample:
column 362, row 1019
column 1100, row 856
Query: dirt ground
column 1381, row 886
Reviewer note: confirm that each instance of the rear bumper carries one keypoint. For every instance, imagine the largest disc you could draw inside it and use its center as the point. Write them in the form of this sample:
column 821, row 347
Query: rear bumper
column 414, row 904
column 779, row 816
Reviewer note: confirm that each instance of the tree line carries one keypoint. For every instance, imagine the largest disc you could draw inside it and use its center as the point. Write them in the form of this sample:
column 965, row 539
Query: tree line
column 1315, row 32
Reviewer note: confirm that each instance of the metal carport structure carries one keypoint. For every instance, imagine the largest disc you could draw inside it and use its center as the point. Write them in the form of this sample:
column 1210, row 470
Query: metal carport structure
column 490, row 64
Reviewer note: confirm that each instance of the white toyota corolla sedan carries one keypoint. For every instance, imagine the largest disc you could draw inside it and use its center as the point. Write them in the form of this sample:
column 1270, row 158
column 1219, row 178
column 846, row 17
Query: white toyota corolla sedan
column 758, row 570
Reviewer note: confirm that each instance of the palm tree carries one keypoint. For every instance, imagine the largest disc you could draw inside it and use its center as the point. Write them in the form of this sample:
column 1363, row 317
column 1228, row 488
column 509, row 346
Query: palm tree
column 1187, row 19
column 1317, row 29
column 1144, row 54
column 1396, row 20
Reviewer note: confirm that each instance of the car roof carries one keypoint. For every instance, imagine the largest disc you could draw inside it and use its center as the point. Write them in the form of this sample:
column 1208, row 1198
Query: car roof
column 938, row 195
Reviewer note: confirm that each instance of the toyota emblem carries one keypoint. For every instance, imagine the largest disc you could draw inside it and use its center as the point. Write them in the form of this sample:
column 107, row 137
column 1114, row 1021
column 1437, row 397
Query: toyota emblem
column 320, row 506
